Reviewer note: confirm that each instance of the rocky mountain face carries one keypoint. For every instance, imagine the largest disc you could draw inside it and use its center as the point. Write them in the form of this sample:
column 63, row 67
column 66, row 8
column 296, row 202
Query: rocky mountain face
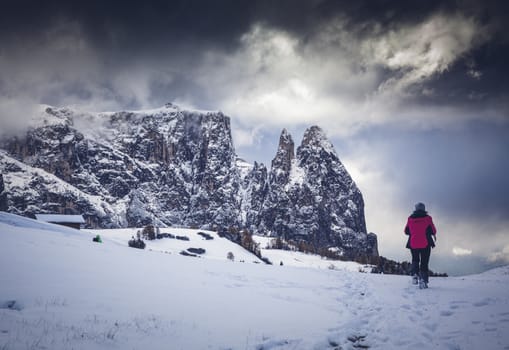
column 311, row 197
column 170, row 166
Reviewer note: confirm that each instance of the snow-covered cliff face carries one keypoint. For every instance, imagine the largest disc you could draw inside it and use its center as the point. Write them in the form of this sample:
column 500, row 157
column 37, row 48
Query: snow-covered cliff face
column 170, row 166
column 165, row 166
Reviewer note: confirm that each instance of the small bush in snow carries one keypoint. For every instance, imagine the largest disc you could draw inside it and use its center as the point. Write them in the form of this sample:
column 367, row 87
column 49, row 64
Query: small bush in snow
column 185, row 253
column 149, row 232
column 206, row 236
column 266, row 260
column 136, row 243
column 198, row 251
column 230, row 256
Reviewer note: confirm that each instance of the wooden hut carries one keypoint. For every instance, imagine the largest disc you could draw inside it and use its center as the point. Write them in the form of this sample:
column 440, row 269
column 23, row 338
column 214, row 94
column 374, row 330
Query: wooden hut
column 74, row 221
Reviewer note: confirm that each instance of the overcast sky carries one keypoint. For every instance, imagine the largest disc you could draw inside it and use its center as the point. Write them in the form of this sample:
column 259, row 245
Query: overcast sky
column 413, row 94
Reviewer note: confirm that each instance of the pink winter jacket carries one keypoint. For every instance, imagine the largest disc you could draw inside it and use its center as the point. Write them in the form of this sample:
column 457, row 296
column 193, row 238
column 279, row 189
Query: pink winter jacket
column 420, row 228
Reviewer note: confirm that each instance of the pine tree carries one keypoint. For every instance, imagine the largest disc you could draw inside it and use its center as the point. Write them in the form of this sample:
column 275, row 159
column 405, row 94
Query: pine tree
column 149, row 232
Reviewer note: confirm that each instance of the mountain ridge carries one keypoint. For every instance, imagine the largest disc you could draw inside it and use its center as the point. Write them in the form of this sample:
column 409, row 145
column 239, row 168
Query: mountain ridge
column 170, row 166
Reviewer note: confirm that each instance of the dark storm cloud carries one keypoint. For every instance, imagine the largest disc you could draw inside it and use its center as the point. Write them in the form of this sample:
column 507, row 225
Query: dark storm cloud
column 357, row 61
column 124, row 25
column 179, row 33
column 478, row 81
column 117, row 25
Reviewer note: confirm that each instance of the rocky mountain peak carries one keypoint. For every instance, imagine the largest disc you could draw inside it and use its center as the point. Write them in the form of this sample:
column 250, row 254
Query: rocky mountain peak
column 311, row 198
column 285, row 152
column 312, row 133
column 315, row 138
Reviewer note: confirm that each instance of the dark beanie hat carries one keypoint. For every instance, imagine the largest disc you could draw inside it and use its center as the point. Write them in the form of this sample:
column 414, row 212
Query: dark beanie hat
column 420, row 207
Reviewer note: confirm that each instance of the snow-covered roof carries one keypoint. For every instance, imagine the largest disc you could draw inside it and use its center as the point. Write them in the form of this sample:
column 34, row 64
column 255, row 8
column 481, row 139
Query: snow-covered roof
column 60, row 218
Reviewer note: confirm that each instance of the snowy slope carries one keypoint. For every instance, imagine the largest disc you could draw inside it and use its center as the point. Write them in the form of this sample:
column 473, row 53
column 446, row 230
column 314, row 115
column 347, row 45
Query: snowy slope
column 216, row 248
column 299, row 259
column 59, row 290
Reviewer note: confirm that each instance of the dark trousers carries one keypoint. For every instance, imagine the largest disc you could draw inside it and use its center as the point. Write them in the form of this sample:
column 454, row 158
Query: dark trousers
column 420, row 261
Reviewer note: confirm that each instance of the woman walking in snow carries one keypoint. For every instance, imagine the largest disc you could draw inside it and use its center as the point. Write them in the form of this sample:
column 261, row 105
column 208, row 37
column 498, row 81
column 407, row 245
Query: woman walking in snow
column 421, row 232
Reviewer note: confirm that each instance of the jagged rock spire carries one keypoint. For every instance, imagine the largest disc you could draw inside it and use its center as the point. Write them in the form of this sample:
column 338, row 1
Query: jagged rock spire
column 328, row 177
column 313, row 136
column 312, row 198
column 285, row 152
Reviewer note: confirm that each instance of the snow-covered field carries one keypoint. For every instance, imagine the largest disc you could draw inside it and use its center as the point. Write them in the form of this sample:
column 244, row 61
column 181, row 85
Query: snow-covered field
column 60, row 290
column 215, row 247
column 299, row 259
